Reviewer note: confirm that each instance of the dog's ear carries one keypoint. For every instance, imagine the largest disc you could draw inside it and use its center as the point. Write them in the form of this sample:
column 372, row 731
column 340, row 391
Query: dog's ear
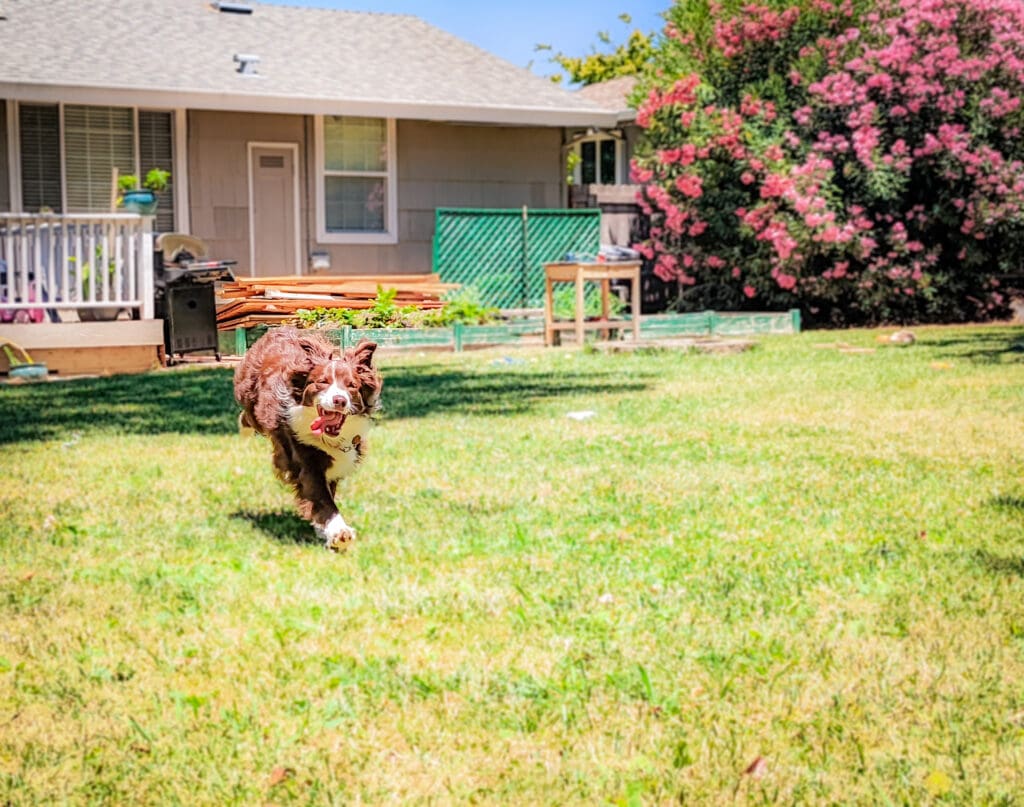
column 299, row 373
column 298, row 381
column 370, row 381
column 362, row 354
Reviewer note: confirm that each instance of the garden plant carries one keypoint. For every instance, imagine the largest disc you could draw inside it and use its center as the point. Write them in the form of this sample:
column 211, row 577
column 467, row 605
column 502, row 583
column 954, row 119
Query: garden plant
column 860, row 159
column 461, row 307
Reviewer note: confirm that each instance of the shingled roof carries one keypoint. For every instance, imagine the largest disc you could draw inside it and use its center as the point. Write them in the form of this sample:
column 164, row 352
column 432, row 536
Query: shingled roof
column 612, row 95
column 181, row 53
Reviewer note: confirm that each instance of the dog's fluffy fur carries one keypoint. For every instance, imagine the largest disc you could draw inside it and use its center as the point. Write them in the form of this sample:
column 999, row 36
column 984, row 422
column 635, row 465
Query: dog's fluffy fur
column 315, row 406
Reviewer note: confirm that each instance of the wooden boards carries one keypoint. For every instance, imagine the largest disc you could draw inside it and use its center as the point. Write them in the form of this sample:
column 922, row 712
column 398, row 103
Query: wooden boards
column 249, row 301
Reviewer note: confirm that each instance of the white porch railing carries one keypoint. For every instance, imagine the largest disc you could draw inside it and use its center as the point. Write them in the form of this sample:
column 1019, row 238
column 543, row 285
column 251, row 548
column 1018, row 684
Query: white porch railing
column 52, row 264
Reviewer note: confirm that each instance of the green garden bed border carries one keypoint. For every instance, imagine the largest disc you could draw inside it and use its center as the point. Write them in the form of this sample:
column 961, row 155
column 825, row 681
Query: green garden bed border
column 459, row 337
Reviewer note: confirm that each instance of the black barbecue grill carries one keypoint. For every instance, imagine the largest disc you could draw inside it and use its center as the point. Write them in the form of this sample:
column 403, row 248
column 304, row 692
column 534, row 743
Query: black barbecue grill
column 184, row 293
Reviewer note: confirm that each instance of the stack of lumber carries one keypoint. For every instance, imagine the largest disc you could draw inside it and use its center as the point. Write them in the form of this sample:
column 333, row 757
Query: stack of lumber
column 249, row 301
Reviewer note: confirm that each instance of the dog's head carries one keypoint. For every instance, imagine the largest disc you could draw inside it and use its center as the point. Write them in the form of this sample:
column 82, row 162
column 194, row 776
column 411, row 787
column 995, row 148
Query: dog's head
column 340, row 387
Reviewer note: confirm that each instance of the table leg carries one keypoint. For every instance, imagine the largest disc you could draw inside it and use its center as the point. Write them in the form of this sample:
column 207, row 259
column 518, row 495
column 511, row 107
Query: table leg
column 635, row 307
column 549, row 312
column 580, row 305
column 605, row 306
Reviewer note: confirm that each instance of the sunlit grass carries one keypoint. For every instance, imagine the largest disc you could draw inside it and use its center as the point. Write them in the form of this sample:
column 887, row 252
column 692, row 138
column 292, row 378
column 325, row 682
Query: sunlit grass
column 796, row 555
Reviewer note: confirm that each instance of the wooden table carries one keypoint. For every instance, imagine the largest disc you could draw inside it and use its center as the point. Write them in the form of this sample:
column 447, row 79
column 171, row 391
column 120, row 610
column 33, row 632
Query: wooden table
column 579, row 273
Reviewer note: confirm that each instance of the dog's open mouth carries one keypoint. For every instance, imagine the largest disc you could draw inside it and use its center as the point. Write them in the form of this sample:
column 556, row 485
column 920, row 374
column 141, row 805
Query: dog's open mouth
column 329, row 422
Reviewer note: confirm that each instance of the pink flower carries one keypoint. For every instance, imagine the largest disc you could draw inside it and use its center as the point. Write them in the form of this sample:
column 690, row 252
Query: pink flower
column 775, row 185
column 749, row 291
column 690, row 185
column 640, row 175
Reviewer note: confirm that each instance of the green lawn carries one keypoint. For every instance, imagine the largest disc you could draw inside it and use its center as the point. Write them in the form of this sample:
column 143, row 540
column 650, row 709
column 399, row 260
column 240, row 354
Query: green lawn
column 794, row 575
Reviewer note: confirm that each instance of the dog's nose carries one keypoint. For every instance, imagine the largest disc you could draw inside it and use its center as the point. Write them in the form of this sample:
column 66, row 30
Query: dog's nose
column 340, row 401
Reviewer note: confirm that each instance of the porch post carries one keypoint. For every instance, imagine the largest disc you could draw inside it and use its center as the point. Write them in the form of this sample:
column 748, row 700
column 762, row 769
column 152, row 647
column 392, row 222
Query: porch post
column 145, row 264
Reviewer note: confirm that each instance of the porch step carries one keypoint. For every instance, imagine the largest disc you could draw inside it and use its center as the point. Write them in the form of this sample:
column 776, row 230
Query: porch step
column 89, row 348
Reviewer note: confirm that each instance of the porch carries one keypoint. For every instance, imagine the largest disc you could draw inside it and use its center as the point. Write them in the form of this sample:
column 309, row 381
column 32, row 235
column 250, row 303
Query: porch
column 77, row 291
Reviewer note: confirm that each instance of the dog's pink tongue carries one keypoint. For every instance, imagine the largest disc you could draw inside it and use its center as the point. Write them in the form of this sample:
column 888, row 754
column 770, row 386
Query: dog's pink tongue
column 329, row 422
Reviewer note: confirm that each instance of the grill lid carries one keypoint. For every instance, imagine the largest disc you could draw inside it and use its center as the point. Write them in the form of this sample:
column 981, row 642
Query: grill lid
column 198, row 272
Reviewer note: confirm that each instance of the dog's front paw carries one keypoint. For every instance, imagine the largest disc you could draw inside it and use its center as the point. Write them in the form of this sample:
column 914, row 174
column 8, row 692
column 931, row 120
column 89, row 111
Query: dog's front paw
column 336, row 534
column 339, row 542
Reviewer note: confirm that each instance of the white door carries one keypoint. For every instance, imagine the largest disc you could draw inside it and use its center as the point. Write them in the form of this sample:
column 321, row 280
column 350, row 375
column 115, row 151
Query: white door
column 274, row 213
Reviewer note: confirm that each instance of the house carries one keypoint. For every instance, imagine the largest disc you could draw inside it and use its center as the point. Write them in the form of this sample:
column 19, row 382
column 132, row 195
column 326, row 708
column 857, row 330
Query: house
column 604, row 153
column 601, row 161
column 299, row 140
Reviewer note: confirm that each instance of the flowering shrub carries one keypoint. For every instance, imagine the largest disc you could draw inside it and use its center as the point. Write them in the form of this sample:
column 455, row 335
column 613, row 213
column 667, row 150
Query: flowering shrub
column 862, row 160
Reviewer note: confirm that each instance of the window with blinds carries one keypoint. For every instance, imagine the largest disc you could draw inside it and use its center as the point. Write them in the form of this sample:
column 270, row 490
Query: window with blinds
column 156, row 150
column 96, row 140
column 355, row 174
column 39, row 133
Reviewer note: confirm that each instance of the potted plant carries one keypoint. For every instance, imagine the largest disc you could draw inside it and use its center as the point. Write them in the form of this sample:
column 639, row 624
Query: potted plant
column 142, row 199
column 85, row 271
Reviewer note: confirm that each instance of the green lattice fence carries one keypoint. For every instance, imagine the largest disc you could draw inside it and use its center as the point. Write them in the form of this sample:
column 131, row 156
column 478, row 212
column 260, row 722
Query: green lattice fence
column 501, row 253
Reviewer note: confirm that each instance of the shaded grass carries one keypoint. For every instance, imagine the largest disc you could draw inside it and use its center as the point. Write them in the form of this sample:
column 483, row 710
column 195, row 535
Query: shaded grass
column 794, row 554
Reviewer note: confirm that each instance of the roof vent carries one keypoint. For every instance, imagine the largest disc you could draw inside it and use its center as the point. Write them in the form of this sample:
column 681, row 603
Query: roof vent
column 233, row 8
column 246, row 63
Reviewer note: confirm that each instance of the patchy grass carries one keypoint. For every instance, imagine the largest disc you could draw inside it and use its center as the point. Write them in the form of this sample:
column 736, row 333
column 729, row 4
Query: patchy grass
column 794, row 575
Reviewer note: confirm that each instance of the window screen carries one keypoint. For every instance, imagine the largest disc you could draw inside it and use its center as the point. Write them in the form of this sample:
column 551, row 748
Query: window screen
column 39, row 133
column 156, row 150
column 96, row 140
column 588, row 164
column 355, row 174
column 609, row 175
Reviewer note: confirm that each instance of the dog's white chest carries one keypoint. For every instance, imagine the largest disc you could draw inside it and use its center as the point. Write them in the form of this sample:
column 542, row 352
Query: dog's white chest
column 346, row 450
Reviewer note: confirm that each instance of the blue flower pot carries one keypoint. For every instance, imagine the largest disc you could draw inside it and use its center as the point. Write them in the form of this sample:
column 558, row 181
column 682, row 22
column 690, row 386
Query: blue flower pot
column 28, row 372
column 139, row 201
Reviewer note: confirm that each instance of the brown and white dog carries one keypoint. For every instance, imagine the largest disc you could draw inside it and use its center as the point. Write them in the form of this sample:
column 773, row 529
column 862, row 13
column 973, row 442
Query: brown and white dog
column 315, row 406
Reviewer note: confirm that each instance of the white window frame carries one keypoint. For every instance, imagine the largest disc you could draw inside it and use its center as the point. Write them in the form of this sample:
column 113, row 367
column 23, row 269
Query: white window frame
column 179, row 156
column 597, row 139
column 13, row 155
column 389, row 235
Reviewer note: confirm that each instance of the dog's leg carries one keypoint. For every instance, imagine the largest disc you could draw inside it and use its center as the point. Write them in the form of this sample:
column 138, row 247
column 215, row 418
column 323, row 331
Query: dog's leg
column 337, row 532
column 316, row 504
column 245, row 425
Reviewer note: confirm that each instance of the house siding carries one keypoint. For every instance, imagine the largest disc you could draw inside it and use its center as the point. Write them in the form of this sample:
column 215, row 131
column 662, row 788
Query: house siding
column 219, row 175
column 439, row 165
column 444, row 165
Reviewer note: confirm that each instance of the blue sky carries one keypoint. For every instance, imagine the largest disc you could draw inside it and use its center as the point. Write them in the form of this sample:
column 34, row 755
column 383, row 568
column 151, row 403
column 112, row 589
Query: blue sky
column 512, row 29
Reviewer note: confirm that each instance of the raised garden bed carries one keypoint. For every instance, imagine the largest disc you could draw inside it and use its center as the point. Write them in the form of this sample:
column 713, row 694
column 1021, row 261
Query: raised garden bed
column 461, row 337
